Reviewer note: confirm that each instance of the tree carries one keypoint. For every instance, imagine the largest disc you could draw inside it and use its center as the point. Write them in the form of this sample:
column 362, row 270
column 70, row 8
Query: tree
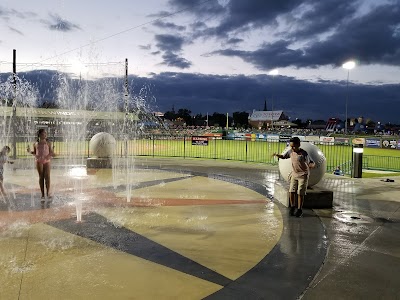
column 170, row 115
column 241, row 119
column 298, row 123
column 217, row 119
column 185, row 114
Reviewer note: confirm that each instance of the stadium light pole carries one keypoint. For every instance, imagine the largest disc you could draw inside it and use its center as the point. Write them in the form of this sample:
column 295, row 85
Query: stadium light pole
column 349, row 65
column 273, row 73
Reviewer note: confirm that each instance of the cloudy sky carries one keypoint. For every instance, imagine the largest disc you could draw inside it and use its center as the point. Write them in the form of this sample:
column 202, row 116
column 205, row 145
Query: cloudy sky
column 215, row 55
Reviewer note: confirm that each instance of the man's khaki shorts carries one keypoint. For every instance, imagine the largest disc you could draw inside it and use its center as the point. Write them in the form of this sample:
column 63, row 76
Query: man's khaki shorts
column 298, row 185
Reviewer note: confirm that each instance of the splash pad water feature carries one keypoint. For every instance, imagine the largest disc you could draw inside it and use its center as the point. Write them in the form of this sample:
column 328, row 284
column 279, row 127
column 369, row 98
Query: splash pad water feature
column 70, row 126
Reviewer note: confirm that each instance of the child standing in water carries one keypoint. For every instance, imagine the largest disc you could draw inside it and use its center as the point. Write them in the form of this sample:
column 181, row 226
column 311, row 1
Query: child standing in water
column 3, row 159
column 43, row 152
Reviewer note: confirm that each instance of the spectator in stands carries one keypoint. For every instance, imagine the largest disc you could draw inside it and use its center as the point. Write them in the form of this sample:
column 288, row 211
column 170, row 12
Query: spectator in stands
column 298, row 178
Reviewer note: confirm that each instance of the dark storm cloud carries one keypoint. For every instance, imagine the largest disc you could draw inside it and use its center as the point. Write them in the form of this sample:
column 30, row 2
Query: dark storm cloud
column 168, row 25
column 234, row 41
column 247, row 15
column 169, row 42
column 59, row 24
column 196, row 26
column 173, row 60
column 371, row 39
column 298, row 98
column 316, row 17
column 268, row 56
column 236, row 15
column 309, row 33
column 198, row 7
column 171, row 46
column 212, row 93
column 304, row 18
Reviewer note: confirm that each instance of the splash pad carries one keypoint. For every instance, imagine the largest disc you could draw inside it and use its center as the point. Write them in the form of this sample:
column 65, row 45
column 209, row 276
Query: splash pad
column 101, row 110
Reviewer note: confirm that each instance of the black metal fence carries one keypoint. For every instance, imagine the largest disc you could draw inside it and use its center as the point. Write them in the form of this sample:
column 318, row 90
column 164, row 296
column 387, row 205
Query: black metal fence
column 247, row 150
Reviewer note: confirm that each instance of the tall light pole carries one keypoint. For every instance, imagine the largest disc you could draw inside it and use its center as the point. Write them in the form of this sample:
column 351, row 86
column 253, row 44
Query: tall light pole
column 14, row 115
column 348, row 66
column 273, row 73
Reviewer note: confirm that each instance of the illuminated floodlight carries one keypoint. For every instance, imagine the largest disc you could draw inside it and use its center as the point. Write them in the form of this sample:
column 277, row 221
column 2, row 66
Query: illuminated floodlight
column 273, row 72
column 349, row 65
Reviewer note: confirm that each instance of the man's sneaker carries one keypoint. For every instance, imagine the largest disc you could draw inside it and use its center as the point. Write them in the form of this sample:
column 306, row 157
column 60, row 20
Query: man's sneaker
column 292, row 211
column 299, row 213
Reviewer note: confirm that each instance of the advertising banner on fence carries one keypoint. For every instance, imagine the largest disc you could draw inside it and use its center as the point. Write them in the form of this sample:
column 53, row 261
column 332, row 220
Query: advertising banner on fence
column 341, row 141
column 215, row 136
column 272, row 138
column 284, row 137
column 389, row 144
column 327, row 139
column 312, row 138
column 398, row 144
column 372, row 143
column 240, row 136
column 199, row 140
column 250, row 136
column 358, row 141
column 261, row 136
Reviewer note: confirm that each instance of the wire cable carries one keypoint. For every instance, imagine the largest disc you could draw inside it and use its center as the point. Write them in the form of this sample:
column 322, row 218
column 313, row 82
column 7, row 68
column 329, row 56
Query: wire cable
column 126, row 30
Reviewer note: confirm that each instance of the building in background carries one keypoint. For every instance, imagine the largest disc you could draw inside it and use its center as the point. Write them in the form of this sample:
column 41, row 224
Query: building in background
column 266, row 119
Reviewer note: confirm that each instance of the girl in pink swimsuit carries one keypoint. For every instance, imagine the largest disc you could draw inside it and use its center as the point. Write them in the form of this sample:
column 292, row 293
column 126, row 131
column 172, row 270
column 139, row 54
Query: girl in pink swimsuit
column 43, row 152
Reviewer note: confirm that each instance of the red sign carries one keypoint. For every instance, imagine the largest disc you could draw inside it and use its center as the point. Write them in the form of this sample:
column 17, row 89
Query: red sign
column 199, row 140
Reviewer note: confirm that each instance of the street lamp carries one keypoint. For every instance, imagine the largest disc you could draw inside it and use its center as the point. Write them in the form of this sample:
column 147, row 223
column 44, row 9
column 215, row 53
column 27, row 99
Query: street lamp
column 273, row 73
column 348, row 66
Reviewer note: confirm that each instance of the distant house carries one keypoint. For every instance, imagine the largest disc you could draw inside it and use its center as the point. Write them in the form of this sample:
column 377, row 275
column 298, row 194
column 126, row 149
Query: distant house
column 262, row 118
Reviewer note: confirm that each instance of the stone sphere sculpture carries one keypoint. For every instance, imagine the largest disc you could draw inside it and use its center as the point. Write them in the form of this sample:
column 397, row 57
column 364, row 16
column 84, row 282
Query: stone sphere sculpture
column 102, row 145
column 316, row 155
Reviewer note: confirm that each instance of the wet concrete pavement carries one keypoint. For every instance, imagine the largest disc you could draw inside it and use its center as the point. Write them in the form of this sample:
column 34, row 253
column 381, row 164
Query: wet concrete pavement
column 197, row 229
column 362, row 230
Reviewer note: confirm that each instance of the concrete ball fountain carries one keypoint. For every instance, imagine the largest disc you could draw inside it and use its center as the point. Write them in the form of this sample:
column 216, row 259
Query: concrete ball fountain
column 316, row 155
column 102, row 147
column 316, row 197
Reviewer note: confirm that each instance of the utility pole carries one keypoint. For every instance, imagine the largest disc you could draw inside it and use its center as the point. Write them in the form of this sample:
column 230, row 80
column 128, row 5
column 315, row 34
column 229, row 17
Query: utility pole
column 126, row 108
column 14, row 111
column 126, row 95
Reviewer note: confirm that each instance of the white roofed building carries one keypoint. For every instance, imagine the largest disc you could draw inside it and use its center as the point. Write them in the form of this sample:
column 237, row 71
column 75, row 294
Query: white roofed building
column 262, row 118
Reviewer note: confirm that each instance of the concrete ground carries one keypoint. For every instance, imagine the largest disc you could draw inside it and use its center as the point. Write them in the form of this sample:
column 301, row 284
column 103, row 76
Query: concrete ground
column 194, row 229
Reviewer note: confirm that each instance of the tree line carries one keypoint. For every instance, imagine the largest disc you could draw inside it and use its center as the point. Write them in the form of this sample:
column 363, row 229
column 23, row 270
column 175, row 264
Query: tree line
column 238, row 119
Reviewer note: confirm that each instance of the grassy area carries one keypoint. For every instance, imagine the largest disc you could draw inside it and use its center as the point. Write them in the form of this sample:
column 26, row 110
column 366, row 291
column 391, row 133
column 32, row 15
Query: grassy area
column 384, row 175
column 382, row 152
